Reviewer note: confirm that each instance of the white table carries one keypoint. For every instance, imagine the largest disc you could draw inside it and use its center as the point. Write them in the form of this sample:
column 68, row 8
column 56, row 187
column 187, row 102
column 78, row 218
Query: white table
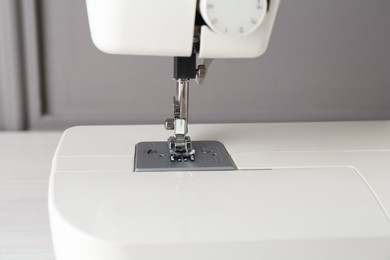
column 25, row 160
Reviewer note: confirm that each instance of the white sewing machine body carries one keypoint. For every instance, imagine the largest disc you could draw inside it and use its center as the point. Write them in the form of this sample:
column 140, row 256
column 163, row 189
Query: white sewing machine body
column 296, row 190
column 300, row 191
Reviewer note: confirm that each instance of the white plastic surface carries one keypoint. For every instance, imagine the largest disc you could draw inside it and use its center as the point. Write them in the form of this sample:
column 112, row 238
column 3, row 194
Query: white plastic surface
column 234, row 18
column 214, row 45
column 303, row 191
column 166, row 28
column 152, row 27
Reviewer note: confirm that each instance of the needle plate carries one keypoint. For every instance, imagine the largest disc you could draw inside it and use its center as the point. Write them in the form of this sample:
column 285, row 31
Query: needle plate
column 209, row 156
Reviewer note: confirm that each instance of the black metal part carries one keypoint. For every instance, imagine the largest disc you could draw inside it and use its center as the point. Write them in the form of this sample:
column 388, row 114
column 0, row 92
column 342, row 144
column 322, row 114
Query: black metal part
column 184, row 67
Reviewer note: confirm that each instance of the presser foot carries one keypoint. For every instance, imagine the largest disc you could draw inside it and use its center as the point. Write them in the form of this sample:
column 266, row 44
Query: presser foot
column 180, row 148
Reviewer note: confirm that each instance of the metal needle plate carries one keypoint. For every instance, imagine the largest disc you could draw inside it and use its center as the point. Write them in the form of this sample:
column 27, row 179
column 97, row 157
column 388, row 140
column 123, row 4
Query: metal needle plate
column 209, row 156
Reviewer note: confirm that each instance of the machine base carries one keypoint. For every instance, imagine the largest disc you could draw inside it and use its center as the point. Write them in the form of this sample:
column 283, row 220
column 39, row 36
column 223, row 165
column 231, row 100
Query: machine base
column 300, row 191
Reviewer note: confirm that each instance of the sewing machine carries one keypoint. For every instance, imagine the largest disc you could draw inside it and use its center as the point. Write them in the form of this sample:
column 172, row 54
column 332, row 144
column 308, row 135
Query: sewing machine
column 230, row 191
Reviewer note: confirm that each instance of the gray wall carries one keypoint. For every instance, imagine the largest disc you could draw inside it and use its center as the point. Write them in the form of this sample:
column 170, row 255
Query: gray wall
column 327, row 60
column 11, row 74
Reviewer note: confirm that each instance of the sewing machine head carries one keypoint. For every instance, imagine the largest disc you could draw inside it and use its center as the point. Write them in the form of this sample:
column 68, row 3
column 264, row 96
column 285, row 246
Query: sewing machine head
column 186, row 30
column 180, row 28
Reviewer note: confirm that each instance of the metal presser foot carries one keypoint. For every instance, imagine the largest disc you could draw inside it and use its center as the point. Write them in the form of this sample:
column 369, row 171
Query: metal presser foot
column 180, row 145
